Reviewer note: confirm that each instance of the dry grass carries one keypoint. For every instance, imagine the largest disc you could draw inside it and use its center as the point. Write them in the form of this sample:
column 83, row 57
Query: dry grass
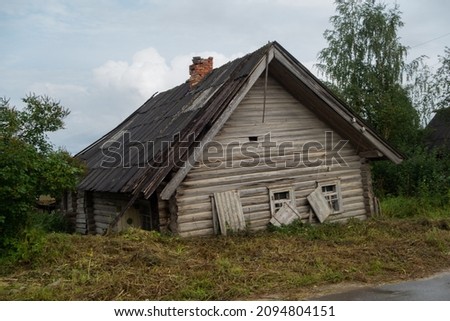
column 290, row 263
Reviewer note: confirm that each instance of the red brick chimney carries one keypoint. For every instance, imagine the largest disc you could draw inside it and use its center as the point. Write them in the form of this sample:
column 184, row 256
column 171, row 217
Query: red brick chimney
column 200, row 68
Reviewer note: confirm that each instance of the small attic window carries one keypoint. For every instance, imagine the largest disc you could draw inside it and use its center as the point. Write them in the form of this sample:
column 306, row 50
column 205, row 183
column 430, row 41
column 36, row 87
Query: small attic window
column 253, row 138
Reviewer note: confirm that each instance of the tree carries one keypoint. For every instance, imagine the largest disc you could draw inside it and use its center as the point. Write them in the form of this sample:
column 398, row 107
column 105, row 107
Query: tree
column 442, row 80
column 429, row 91
column 365, row 61
column 29, row 164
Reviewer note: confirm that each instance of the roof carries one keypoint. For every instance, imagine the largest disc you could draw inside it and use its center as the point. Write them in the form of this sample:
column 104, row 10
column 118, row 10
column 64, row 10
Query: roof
column 438, row 130
column 183, row 115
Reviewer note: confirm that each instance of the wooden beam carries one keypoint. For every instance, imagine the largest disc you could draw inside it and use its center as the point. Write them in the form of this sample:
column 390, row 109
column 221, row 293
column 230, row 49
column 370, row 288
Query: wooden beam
column 182, row 172
column 371, row 154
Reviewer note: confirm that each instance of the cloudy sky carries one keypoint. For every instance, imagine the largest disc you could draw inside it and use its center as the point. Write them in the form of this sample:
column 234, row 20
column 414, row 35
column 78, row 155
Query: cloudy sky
column 102, row 59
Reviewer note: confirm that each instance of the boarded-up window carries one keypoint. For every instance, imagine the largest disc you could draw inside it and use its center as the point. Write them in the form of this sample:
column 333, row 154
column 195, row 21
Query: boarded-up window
column 280, row 196
column 326, row 200
column 285, row 215
column 229, row 212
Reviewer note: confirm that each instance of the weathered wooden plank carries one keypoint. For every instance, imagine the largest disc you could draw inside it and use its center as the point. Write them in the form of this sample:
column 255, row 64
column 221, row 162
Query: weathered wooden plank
column 103, row 218
column 200, row 206
column 229, row 211
column 103, row 207
column 250, row 218
column 254, row 200
column 255, row 176
column 194, row 216
column 192, row 226
column 101, row 225
column 285, row 215
column 197, row 233
column 215, row 217
column 263, row 206
column 105, row 213
column 80, row 220
column 319, row 204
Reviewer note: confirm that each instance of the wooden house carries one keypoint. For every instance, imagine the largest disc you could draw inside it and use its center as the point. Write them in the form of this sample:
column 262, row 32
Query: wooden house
column 258, row 141
column 437, row 134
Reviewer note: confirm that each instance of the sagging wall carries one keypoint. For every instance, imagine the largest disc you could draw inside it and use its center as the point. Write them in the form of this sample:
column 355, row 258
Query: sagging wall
column 96, row 210
column 287, row 120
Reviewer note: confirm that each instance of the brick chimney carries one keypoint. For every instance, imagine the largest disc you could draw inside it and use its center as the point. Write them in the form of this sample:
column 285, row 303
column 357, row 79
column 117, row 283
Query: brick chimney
column 200, row 68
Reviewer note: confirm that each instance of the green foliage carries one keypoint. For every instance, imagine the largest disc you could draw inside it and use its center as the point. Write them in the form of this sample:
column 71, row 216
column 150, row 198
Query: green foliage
column 49, row 222
column 29, row 166
column 419, row 207
column 29, row 246
column 364, row 60
column 442, row 80
column 365, row 64
column 429, row 90
column 423, row 174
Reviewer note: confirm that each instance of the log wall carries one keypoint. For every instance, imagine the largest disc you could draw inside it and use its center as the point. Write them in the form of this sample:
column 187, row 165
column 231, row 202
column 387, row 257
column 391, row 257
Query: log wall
column 95, row 215
column 226, row 168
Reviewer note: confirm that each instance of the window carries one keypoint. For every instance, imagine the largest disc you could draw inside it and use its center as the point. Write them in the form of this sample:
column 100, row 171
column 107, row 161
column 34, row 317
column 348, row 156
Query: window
column 326, row 200
column 280, row 196
column 253, row 138
column 332, row 193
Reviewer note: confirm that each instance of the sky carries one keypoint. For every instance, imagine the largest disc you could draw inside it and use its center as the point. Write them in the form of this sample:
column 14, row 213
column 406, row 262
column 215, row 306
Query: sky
column 103, row 59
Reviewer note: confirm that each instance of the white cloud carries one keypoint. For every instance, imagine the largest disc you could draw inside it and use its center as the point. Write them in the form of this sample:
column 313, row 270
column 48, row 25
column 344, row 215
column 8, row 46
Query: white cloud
column 117, row 89
column 148, row 71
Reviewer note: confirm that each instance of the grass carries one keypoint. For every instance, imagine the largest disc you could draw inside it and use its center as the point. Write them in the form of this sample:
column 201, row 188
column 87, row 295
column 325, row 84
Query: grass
column 289, row 263
column 425, row 207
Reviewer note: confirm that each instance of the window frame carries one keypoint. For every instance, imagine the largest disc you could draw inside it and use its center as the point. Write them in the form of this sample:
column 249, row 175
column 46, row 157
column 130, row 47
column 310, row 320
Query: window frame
column 273, row 201
column 327, row 195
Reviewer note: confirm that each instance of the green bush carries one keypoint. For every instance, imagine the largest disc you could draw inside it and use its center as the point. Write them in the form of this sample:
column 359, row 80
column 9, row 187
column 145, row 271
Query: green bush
column 29, row 164
column 49, row 222
column 423, row 174
column 29, row 246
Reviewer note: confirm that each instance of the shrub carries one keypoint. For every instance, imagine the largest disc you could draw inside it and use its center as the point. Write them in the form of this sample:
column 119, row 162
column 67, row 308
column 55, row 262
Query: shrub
column 423, row 174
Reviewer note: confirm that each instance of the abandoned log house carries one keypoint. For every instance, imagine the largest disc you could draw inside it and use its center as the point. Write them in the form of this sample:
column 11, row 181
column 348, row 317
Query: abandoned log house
column 257, row 141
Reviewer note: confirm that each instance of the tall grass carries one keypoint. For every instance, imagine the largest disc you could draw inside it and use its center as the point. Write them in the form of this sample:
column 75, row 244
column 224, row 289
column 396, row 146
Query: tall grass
column 415, row 207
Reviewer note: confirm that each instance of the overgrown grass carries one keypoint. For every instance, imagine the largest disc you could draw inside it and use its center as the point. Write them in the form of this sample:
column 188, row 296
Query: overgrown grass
column 288, row 263
column 415, row 207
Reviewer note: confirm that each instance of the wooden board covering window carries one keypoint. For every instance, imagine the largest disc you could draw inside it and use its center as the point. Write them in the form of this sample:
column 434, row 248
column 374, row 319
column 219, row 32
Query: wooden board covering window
column 319, row 204
column 285, row 215
column 229, row 211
